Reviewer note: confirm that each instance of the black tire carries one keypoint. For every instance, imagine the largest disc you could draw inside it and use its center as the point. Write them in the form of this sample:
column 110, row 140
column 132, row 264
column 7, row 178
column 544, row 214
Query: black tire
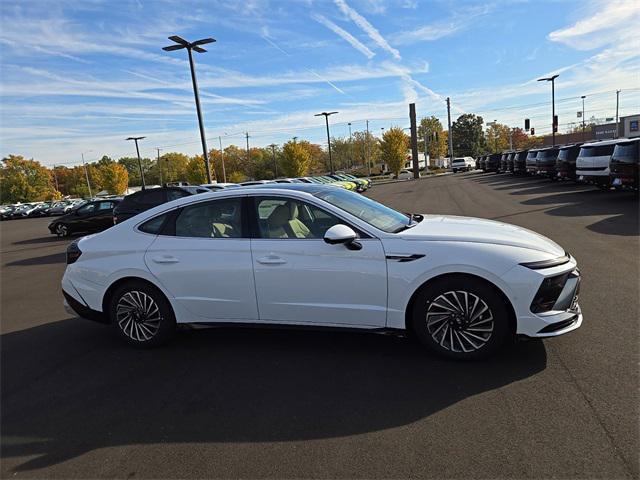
column 137, row 328
column 460, row 330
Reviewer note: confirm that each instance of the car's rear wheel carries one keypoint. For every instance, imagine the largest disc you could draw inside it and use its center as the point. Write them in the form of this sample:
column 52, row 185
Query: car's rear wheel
column 461, row 317
column 62, row 230
column 141, row 314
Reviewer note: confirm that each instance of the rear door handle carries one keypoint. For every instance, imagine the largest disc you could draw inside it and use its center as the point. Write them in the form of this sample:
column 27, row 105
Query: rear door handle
column 271, row 260
column 165, row 259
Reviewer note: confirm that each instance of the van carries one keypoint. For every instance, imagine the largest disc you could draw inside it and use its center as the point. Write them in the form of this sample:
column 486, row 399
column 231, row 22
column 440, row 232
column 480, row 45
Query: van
column 520, row 162
column 492, row 164
column 592, row 164
column 625, row 164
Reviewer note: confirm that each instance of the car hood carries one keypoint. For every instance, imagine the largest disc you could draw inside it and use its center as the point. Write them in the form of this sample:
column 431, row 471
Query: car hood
column 478, row 230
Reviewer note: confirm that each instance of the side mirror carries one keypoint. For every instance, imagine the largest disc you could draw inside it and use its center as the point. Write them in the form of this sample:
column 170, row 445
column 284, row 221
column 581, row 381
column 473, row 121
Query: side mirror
column 341, row 234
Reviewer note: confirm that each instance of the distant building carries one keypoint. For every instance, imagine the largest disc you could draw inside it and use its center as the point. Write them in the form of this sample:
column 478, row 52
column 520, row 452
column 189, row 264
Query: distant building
column 627, row 128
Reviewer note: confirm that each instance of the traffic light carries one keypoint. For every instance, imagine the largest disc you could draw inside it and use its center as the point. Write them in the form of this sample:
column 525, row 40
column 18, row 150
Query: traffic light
column 527, row 124
column 533, row 131
column 555, row 124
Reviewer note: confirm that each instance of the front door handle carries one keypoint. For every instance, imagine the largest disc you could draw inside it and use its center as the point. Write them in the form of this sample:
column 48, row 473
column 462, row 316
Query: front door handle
column 271, row 260
column 165, row 259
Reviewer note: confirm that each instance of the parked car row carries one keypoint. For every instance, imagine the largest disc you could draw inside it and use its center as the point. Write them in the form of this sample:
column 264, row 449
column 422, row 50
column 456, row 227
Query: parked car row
column 38, row 209
column 607, row 163
column 98, row 215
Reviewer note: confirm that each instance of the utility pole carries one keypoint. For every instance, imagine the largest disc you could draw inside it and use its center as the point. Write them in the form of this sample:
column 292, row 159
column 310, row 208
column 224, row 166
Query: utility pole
column 350, row 145
column 246, row 134
column 86, row 174
column 135, row 139
column 511, row 139
column 275, row 164
column 414, row 141
column 180, row 44
column 326, row 119
column 449, row 135
column 55, row 177
column 426, row 149
column 583, row 128
column 224, row 172
column 367, row 149
column 617, row 106
column 159, row 165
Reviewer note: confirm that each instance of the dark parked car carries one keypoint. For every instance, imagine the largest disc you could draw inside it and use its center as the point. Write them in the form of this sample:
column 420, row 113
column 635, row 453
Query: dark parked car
column 531, row 163
column 625, row 163
column 510, row 160
column 152, row 197
column 520, row 162
column 492, row 163
column 546, row 161
column 503, row 162
column 90, row 217
column 566, row 162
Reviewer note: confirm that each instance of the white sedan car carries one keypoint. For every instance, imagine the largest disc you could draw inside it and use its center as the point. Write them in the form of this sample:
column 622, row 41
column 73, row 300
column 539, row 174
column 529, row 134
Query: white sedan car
column 320, row 256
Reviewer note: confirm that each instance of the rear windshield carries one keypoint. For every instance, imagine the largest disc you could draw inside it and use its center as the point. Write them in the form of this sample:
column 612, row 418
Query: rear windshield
column 532, row 155
column 458, row 160
column 597, row 151
column 627, row 151
column 547, row 154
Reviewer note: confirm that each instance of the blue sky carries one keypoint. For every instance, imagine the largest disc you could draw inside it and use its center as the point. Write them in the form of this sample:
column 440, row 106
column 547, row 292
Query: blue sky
column 82, row 76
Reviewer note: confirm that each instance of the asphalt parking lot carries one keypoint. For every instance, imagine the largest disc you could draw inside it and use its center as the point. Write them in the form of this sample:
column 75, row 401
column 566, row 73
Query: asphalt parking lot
column 286, row 404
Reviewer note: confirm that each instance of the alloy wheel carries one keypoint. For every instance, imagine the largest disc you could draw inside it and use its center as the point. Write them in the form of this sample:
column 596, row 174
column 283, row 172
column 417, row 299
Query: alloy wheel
column 138, row 316
column 459, row 321
column 62, row 230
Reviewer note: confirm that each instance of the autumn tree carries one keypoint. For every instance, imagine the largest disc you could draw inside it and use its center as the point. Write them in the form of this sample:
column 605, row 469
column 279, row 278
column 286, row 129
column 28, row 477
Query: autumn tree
column 114, row 177
column 497, row 137
column 436, row 140
column 195, row 171
column 394, row 147
column 172, row 167
column 23, row 180
column 296, row 159
column 468, row 138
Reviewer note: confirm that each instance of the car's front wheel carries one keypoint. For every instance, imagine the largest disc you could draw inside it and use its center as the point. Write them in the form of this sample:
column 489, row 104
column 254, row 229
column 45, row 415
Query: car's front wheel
column 62, row 230
column 461, row 317
column 141, row 314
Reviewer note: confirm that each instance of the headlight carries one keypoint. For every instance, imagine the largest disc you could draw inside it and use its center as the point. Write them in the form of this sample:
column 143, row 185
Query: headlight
column 554, row 262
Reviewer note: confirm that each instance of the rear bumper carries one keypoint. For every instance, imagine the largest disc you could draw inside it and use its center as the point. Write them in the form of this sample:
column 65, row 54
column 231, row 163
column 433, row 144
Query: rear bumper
column 78, row 309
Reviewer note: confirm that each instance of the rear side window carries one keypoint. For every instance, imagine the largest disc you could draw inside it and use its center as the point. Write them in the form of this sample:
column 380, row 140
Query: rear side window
column 154, row 226
column 218, row 219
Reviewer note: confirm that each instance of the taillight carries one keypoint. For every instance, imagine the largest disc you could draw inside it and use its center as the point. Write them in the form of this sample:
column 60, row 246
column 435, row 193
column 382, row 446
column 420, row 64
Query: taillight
column 115, row 220
column 73, row 252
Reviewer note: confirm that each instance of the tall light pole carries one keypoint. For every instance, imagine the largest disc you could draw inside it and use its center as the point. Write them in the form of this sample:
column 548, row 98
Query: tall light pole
column 617, row 106
column 135, row 139
column 86, row 173
column 326, row 119
column 350, row 145
column 367, row 150
column 180, row 44
column 275, row 164
column 552, row 79
column 583, row 130
column 159, row 164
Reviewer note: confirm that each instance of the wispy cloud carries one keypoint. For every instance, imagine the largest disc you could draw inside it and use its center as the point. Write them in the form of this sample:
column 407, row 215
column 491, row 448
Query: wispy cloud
column 354, row 42
column 458, row 21
column 366, row 27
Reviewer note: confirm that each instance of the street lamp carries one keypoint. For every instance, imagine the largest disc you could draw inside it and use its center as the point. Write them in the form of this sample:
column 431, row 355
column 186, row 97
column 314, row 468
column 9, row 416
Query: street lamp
column 180, row 44
column 552, row 79
column 326, row 119
column 350, row 145
column 86, row 173
column 583, row 131
column 135, row 139
column 275, row 164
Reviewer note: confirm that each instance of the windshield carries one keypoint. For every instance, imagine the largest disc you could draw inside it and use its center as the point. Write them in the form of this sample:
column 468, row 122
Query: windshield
column 367, row 210
column 597, row 151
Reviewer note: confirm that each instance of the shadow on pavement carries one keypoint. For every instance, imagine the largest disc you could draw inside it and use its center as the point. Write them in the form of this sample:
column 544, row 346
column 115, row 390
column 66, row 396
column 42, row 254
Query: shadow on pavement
column 41, row 240
column 43, row 260
column 574, row 200
column 72, row 387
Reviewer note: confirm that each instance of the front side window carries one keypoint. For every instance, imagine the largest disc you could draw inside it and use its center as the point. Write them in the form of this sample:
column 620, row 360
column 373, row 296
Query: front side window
column 218, row 219
column 367, row 210
column 289, row 218
column 105, row 206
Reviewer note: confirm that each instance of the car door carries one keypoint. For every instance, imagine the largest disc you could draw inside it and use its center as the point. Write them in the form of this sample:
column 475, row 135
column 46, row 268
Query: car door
column 102, row 217
column 301, row 279
column 82, row 217
column 203, row 258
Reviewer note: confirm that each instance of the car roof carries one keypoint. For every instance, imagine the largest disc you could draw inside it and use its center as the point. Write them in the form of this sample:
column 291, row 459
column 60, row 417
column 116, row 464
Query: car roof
column 603, row 142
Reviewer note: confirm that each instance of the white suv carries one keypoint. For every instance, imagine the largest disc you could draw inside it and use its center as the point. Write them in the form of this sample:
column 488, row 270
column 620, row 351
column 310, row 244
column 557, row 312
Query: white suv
column 463, row 164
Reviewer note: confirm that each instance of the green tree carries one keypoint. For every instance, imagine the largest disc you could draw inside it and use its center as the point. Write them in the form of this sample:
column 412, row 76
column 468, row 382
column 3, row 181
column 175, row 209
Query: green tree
column 173, row 166
column 394, row 147
column 296, row 159
column 23, row 180
column 133, row 170
column 468, row 139
column 365, row 146
column 195, row 171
